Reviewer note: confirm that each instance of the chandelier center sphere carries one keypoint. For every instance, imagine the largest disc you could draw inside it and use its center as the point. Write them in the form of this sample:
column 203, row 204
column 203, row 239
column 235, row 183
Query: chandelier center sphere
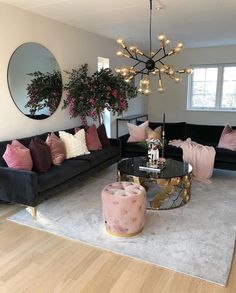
column 150, row 65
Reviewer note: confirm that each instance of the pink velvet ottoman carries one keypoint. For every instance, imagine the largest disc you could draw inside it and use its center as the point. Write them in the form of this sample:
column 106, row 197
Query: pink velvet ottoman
column 124, row 208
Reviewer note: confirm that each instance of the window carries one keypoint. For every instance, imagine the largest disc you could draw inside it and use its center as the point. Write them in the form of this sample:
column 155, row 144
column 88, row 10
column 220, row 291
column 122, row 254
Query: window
column 212, row 88
column 103, row 63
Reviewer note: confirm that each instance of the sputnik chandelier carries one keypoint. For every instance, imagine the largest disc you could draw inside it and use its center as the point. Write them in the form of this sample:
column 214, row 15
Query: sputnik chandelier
column 152, row 63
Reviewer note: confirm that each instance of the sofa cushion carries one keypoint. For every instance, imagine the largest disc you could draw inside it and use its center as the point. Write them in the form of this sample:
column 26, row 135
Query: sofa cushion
column 204, row 134
column 57, row 148
column 228, row 138
column 99, row 156
column 137, row 133
column 41, row 155
column 60, row 174
column 102, row 134
column 153, row 133
column 92, row 139
column 75, row 144
column 17, row 156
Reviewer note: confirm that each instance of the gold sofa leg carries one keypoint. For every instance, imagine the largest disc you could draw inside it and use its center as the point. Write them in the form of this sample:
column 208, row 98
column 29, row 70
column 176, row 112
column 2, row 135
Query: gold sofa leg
column 32, row 211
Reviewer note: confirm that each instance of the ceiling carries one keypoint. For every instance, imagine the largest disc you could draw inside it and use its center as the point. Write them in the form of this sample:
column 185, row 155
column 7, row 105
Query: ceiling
column 198, row 23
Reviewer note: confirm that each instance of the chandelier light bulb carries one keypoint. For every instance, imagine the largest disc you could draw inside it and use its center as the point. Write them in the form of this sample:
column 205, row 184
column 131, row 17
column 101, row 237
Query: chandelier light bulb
column 133, row 48
column 117, row 70
column 147, row 91
column 189, row 70
column 120, row 41
column 177, row 79
column 160, row 86
column 132, row 70
column 119, row 53
column 171, row 70
column 161, row 37
column 177, row 49
column 180, row 45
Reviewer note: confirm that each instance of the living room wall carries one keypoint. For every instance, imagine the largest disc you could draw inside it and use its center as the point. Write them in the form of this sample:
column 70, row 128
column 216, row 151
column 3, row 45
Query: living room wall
column 173, row 101
column 70, row 46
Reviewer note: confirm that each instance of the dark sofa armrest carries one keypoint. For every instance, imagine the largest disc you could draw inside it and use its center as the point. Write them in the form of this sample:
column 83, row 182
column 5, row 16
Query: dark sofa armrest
column 115, row 142
column 124, row 138
column 18, row 186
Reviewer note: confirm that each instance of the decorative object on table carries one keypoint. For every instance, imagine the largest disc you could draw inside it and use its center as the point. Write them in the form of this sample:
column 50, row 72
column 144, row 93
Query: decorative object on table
column 152, row 63
column 44, row 91
column 124, row 208
column 153, row 151
column 89, row 95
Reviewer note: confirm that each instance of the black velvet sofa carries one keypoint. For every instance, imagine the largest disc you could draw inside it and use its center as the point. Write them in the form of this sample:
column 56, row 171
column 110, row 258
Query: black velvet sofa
column 30, row 188
column 203, row 134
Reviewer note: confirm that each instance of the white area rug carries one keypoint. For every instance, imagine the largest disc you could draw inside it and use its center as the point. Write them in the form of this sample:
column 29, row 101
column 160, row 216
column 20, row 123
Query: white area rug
column 196, row 239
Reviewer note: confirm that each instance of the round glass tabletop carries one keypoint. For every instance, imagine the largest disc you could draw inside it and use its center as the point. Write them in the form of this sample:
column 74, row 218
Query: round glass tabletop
column 171, row 168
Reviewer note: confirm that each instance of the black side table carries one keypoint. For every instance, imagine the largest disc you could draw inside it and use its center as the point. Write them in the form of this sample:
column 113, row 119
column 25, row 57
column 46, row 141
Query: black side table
column 128, row 119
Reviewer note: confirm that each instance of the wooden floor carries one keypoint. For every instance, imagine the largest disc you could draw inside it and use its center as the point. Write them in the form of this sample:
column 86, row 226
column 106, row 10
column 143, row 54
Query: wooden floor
column 33, row 261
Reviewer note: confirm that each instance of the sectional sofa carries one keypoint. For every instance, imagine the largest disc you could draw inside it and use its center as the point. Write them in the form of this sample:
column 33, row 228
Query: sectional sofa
column 203, row 134
column 31, row 188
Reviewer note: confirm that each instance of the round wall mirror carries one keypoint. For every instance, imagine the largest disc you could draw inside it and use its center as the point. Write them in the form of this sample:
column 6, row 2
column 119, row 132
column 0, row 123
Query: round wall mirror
column 34, row 80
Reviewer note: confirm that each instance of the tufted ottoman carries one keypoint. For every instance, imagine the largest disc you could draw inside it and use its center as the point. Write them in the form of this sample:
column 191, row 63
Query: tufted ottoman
column 124, row 208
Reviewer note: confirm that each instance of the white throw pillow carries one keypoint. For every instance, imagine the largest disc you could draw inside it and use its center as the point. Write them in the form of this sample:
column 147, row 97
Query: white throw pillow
column 75, row 144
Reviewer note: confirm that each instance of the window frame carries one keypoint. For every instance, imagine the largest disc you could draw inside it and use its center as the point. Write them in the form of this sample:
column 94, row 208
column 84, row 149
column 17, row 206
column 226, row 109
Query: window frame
column 219, row 88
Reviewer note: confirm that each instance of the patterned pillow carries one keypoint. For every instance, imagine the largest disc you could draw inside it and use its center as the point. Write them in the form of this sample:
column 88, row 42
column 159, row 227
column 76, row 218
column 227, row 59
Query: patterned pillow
column 18, row 156
column 75, row 144
column 137, row 133
column 57, row 148
column 41, row 154
column 228, row 138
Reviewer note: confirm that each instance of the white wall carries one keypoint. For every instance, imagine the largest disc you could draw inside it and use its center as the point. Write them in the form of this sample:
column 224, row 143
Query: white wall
column 173, row 102
column 71, row 48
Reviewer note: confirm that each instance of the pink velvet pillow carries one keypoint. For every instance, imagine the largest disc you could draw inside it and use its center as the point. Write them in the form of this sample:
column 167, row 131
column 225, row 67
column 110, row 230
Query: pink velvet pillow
column 228, row 138
column 18, row 156
column 57, row 148
column 92, row 140
column 137, row 133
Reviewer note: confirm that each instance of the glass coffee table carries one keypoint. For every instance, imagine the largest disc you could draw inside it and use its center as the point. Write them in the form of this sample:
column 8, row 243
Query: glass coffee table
column 168, row 189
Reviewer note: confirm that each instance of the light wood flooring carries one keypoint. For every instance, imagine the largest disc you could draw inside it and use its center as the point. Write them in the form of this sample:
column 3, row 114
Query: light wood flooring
column 33, row 261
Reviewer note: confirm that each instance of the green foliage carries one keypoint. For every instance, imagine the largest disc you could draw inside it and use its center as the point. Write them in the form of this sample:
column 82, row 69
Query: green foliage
column 44, row 90
column 90, row 95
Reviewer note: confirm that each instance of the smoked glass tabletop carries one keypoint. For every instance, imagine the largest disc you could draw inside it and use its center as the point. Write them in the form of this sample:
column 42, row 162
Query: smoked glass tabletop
column 172, row 168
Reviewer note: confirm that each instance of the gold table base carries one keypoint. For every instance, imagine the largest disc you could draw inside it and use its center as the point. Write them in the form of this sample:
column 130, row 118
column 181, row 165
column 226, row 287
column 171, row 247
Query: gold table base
column 171, row 193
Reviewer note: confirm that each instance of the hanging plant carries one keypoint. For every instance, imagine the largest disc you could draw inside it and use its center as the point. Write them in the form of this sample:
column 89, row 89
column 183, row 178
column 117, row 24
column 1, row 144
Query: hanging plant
column 91, row 95
column 44, row 90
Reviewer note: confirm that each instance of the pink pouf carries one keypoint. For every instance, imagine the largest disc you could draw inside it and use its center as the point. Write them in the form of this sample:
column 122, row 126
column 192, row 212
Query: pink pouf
column 124, row 208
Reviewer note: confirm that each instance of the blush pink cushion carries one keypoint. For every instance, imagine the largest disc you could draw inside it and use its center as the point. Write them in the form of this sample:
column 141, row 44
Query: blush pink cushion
column 57, row 148
column 137, row 133
column 17, row 156
column 124, row 208
column 92, row 140
column 228, row 138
